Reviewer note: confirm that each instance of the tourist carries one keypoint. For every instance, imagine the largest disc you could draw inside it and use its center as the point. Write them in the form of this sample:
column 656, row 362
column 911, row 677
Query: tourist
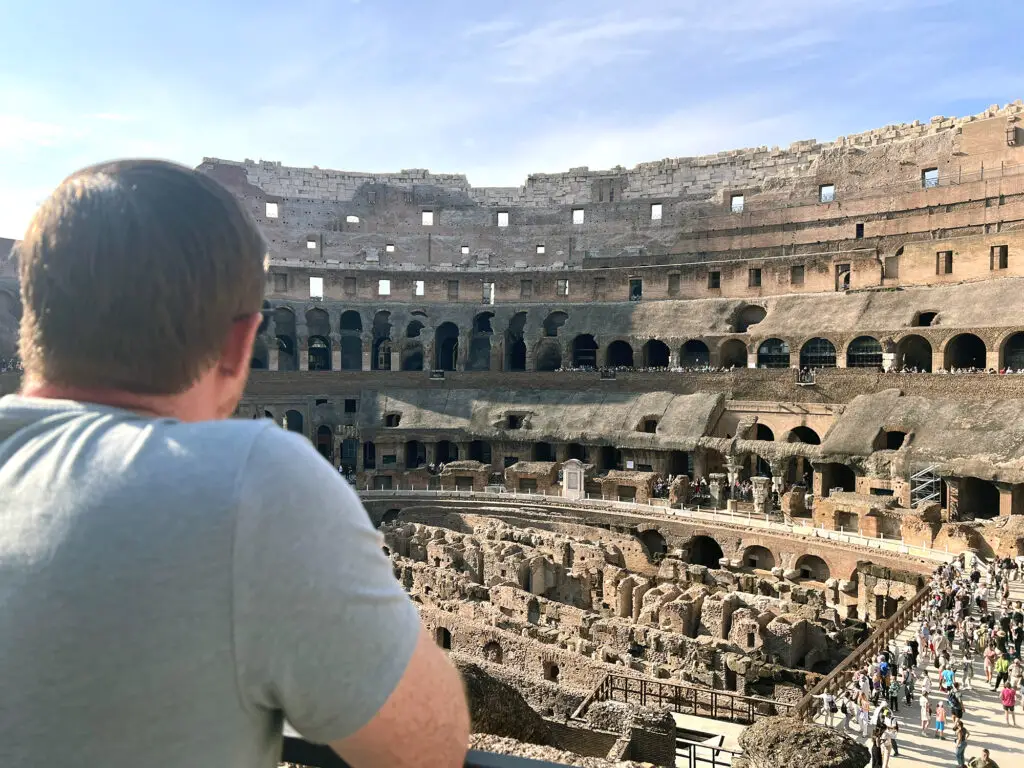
column 876, row 752
column 1002, row 670
column 178, row 583
column 828, row 707
column 940, row 719
column 961, row 743
column 926, row 712
column 982, row 762
column 892, row 728
column 967, row 668
column 1008, row 697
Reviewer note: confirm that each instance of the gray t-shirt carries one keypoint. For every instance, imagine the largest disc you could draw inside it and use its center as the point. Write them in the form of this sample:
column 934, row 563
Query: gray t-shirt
column 170, row 592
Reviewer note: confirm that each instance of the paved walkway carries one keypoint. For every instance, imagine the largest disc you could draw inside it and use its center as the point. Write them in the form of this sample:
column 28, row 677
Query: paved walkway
column 983, row 716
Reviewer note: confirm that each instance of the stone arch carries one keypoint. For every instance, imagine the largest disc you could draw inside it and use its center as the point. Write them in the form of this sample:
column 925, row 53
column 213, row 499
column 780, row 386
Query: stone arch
column 925, row 318
column 584, row 351
column 284, row 328
column 733, row 354
column 390, row 516
column 293, row 421
column 554, row 321
column 864, row 352
column 260, row 359
column 704, row 550
column 380, row 359
column 443, row 638
column 1012, row 352
column 914, row 351
column 748, row 315
column 412, row 357
column 654, row 542
column 761, row 558
column 836, row 476
column 773, row 353
column 803, row 434
column 695, row 354
column 812, row 568
column 515, row 343
column 446, row 347
column 654, row 354
column 818, row 353
column 548, row 357
column 415, row 454
column 965, row 350
column 413, row 329
column 480, row 344
column 319, row 353
column 350, row 321
column 977, row 499
column 480, row 451
column 619, row 354
column 351, row 353
column 763, row 432
column 446, row 451
column 492, row 652
column 318, row 322
column 325, row 442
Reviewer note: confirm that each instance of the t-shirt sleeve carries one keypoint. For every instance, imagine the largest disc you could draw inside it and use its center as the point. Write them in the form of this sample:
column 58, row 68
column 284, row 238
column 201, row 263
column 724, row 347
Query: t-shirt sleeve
column 322, row 629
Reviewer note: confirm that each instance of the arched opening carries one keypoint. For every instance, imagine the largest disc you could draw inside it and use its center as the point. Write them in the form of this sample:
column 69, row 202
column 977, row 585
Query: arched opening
column 812, row 568
column 412, row 330
column 915, row 353
column 773, row 353
column 680, row 463
column 864, row 352
column 576, row 451
column 284, row 327
column 759, row 558
column 551, row 671
column 480, row 344
column 889, row 440
column 1013, row 352
column 412, row 358
column 924, row 319
column 763, row 432
column 351, row 321
column 695, row 354
column 293, row 421
column 837, row 477
column 480, row 451
column 965, row 351
column 619, row 355
column 325, row 442
column 446, row 347
column 655, row 354
column 584, row 351
column 978, row 499
column 319, row 354
column 543, row 452
column 415, row 454
column 733, row 354
column 515, row 345
column 349, row 454
column 553, row 322
column 492, row 652
column 351, row 353
column 654, row 542
column 260, row 359
column 549, row 357
column 381, row 359
column 818, row 353
column 748, row 316
column 443, row 638
column 705, row 551
column 390, row 516
column 447, row 451
column 803, row 435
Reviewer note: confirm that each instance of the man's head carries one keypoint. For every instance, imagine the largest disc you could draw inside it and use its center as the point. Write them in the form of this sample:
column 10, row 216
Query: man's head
column 141, row 283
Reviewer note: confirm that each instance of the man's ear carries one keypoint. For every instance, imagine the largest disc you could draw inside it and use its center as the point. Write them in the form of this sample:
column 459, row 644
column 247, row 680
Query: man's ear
column 236, row 354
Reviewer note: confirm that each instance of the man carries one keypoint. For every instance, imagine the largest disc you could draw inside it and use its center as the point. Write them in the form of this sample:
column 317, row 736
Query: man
column 175, row 585
column 982, row 762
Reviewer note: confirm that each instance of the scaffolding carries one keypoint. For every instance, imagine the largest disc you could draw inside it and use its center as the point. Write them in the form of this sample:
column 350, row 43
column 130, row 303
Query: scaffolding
column 925, row 486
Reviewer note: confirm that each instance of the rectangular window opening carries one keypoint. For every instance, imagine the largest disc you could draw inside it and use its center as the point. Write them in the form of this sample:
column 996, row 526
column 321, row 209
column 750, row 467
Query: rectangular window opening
column 350, row 219
column 350, row 406
column 488, row 297
column 599, row 287
column 714, row 279
column 280, row 283
column 465, row 250
column 636, row 289
column 428, row 218
column 755, row 278
column 453, row 290
column 656, row 212
column 271, row 210
column 502, row 218
column 389, row 248
column 316, row 287
column 891, row 267
column 796, row 274
column 311, row 245
column 562, row 288
column 540, row 250
column 577, row 215
column 944, row 263
column 930, row 177
column 417, row 287
column 350, row 286
column 737, row 203
column 827, row 193
column 526, row 289
column 999, row 257
column 860, row 230
column 392, row 419
column 383, row 287
column 673, row 285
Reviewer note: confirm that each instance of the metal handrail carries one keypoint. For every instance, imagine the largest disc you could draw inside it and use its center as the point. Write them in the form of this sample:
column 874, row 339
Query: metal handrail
column 886, row 631
column 306, row 753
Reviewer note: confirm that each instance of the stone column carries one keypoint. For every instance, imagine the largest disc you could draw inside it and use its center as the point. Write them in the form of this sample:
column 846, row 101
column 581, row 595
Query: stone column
column 335, row 351
column 762, row 495
column 732, row 468
column 1011, row 499
column 366, row 345
column 751, row 359
column 302, row 342
column 716, row 487
column 673, row 358
column 396, row 359
column 273, row 361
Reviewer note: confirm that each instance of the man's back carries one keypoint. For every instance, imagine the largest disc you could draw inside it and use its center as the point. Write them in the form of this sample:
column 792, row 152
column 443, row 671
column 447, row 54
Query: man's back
column 164, row 593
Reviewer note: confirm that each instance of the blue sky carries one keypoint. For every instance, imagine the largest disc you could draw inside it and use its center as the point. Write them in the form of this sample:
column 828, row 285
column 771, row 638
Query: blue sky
column 492, row 90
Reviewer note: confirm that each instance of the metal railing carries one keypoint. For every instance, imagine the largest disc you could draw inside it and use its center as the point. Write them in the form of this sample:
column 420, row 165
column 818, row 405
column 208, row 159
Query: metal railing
column 711, row 515
column 697, row 754
column 879, row 639
column 688, row 699
column 302, row 752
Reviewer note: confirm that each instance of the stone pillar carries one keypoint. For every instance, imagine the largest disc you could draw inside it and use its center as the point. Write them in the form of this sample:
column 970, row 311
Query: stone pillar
column 360, row 464
column 573, row 484
column 673, row 358
column 366, row 345
column 700, row 463
column 732, row 468
column 396, row 359
column 888, row 360
column 273, row 361
column 952, row 497
column 716, row 487
column 431, row 453
column 751, row 359
column 302, row 342
column 1011, row 499
column 762, row 495
column 335, row 351
column 462, row 354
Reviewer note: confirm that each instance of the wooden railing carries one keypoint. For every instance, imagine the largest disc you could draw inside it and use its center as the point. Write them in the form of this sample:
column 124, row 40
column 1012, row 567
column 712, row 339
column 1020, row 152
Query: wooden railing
column 688, row 699
column 888, row 630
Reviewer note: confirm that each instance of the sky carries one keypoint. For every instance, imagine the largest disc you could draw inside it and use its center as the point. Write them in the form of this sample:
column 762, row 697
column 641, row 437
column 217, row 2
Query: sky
column 494, row 90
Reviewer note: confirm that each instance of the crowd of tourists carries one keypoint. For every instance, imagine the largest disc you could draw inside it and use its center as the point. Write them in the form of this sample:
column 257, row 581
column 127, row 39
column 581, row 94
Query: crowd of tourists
column 10, row 364
column 969, row 619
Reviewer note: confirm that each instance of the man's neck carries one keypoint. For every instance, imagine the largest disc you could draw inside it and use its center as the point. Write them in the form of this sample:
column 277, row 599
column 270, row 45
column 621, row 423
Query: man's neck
column 160, row 406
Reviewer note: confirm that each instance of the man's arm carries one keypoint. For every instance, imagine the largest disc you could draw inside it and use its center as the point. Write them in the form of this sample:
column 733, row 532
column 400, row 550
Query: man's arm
column 323, row 631
column 424, row 722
